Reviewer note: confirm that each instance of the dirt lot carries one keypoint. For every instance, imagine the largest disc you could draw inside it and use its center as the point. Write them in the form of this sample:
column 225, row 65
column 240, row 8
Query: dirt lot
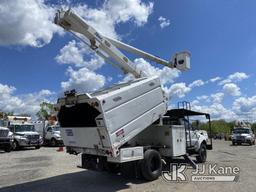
column 47, row 170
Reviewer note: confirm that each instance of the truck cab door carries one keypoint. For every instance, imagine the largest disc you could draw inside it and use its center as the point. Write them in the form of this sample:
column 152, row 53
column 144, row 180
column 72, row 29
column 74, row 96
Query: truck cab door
column 194, row 137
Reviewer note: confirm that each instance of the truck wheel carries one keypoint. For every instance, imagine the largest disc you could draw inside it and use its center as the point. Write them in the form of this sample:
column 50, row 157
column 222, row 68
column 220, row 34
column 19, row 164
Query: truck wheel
column 151, row 165
column 8, row 149
column 202, row 154
column 53, row 142
column 113, row 167
column 15, row 145
column 233, row 143
column 37, row 147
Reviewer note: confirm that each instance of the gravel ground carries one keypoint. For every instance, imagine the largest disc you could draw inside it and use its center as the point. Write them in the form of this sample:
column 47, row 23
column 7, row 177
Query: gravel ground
column 47, row 170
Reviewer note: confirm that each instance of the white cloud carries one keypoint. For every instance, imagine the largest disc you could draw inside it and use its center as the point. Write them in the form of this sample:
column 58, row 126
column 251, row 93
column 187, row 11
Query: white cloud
column 98, row 18
column 232, row 89
column 245, row 104
column 26, row 22
column 215, row 79
column 202, row 97
column 194, row 103
column 83, row 80
column 113, row 12
column 179, row 90
column 216, row 110
column 196, row 83
column 217, row 97
column 6, row 90
column 166, row 74
column 125, row 10
column 74, row 53
column 30, row 22
column 235, row 77
column 26, row 103
column 163, row 22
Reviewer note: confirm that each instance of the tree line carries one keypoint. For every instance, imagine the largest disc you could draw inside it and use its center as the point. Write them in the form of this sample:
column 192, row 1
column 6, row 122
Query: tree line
column 221, row 126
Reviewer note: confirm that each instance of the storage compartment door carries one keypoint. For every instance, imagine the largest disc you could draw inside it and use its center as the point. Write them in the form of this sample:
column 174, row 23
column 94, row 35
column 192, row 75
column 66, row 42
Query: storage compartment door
column 178, row 139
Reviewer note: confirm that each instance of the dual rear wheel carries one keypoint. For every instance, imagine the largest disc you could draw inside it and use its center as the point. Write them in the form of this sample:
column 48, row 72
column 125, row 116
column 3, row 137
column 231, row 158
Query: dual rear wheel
column 151, row 165
column 149, row 168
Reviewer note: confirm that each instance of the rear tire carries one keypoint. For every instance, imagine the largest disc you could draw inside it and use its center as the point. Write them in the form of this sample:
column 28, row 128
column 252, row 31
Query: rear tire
column 202, row 154
column 151, row 165
column 37, row 147
column 53, row 142
column 112, row 167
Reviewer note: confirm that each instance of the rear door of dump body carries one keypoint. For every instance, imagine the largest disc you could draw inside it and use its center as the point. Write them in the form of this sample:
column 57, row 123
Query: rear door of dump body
column 82, row 124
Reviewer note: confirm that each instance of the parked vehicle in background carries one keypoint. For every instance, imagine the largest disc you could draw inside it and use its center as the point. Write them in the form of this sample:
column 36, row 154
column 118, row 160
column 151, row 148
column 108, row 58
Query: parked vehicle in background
column 6, row 139
column 24, row 132
column 50, row 132
column 243, row 135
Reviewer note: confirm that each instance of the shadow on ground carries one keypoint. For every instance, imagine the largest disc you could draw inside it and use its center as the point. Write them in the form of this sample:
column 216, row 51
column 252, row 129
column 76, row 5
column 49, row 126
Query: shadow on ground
column 79, row 181
column 82, row 181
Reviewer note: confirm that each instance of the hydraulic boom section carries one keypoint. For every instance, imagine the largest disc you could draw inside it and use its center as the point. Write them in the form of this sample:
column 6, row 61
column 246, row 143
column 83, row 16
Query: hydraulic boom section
column 107, row 48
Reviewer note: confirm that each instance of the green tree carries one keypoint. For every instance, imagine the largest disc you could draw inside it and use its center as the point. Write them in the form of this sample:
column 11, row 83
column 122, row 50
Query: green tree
column 46, row 109
column 218, row 126
column 4, row 115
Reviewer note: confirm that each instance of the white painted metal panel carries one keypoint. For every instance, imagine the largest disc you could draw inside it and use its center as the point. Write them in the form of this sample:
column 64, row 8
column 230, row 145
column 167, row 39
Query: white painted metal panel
column 81, row 137
column 113, row 97
column 170, row 139
column 137, row 126
column 178, row 140
column 127, row 112
column 128, row 154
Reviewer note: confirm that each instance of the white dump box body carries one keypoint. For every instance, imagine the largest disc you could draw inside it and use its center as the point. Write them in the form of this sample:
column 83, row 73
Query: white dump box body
column 101, row 122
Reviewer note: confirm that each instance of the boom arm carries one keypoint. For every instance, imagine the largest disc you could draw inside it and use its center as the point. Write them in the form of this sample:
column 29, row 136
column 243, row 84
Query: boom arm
column 75, row 24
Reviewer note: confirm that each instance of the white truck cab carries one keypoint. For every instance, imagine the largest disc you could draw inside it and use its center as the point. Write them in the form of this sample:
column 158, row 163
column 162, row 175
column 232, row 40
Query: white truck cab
column 243, row 135
column 52, row 135
column 24, row 132
column 50, row 132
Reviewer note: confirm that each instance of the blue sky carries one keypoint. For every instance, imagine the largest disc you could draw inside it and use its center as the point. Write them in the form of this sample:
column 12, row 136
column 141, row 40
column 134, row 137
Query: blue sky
column 219, row 34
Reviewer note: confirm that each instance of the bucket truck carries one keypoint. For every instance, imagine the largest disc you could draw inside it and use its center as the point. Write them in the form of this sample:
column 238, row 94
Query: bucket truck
column 24, row 133
column 108, row 126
